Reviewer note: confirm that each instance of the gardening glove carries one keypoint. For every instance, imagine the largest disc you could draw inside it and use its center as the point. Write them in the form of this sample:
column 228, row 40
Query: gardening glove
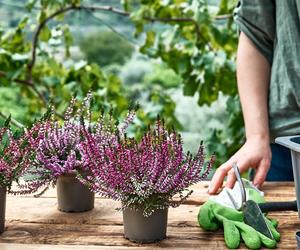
column 219, row 210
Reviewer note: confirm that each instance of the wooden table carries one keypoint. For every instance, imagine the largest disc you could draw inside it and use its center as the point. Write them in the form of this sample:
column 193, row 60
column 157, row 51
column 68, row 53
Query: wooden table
column 35, row 223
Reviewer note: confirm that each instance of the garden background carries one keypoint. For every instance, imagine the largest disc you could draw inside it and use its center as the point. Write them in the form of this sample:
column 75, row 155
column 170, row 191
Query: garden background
column 176, row 58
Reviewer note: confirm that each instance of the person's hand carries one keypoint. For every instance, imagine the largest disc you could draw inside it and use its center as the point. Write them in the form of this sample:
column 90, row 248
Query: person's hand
column 255, row 153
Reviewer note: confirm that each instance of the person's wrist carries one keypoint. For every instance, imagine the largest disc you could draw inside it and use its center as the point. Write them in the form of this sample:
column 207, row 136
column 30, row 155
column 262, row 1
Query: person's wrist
column 263, row 138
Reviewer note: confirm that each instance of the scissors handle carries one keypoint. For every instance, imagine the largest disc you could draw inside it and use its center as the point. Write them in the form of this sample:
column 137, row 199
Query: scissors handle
column 239, row 179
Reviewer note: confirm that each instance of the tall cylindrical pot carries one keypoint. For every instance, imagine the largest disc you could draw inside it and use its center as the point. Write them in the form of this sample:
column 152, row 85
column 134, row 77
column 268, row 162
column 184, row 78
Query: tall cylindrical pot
column 2, row 208
column 72, row 195
column 141, row 229
column 298, row 239
column 293, row 143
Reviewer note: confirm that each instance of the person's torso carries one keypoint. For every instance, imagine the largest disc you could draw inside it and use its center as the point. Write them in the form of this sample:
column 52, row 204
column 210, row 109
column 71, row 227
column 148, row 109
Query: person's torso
column 284, row 97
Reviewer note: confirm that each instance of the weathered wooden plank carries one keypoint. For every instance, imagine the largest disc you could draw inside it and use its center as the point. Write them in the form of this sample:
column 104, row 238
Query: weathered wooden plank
column 35, row 227
column 12, row 246
column 45, row 211
column 178, row 237
column 37, row 222
column 112, row 235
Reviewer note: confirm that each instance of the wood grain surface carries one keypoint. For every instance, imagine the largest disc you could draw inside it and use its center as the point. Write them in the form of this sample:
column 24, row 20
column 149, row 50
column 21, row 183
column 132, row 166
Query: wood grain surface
column 35, row 223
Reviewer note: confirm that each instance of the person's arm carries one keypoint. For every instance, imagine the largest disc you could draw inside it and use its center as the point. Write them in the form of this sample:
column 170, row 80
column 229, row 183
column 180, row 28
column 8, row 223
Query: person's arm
column 253, row 76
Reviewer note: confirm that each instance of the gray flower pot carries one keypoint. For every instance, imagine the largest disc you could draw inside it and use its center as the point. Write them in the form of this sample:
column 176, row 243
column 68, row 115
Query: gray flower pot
column 72, row 195
column 298, row 240
column 293, row 143
column 2, row 208
column 138, row 228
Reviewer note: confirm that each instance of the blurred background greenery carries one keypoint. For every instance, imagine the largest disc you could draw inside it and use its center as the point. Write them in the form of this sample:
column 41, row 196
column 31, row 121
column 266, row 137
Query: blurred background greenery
column 175, row 58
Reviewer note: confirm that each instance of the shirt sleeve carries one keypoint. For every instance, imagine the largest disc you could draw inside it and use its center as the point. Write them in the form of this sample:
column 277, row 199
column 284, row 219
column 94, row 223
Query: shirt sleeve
column 256, row 19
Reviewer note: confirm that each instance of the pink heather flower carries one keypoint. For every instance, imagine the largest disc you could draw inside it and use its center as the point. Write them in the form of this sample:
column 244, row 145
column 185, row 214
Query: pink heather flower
column 145, row 173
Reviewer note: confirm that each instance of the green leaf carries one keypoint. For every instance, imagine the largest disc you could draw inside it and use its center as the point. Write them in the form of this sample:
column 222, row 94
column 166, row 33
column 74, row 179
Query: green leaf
column 68, row 39
column 190, row 88
column 30, row 4
column 45, row 34
column 232, row 4
column 51, row 81
column 22, row 24
column 139, row 28
column 42, row 15
column 76, row 2
column 7, row 121
column 125, row 4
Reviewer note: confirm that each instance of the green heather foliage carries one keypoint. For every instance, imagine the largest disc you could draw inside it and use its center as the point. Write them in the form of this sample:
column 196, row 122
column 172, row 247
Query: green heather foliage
column 195, row 39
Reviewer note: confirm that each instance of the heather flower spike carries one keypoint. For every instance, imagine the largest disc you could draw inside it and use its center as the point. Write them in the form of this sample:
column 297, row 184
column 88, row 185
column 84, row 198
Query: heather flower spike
column 145, row 173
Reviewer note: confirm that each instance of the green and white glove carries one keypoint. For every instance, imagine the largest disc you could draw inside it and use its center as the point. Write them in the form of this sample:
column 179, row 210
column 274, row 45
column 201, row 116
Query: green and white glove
column 219, row 211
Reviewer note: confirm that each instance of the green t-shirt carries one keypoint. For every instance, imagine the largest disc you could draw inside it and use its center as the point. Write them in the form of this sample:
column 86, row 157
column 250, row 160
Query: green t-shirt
column 274, row 28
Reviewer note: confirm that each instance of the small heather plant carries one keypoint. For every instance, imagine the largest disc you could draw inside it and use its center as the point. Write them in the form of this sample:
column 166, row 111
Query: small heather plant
column 143, row 173
column 13, row 160
column 55, row 147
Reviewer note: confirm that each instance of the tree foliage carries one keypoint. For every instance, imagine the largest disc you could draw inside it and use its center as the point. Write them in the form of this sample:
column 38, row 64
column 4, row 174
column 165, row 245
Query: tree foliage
column 106, row 48
column 192, row 37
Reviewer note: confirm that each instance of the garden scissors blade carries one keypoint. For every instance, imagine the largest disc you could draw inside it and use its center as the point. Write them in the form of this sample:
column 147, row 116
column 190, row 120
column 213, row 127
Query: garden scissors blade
column 252, row 213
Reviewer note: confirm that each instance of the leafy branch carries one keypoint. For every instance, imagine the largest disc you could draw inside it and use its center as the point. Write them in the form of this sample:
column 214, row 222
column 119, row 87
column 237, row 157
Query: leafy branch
column 95, row 8
column 12, row 121
column 28, row 83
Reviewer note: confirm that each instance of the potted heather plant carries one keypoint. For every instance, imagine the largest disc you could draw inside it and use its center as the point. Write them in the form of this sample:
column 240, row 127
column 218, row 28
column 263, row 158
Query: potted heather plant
column 144, row 175
column 57, row 161
column 12, row 164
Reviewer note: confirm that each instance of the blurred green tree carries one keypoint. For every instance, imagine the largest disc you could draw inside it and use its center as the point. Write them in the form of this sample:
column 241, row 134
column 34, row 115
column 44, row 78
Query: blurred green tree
column 194, row 38
column 105, row 48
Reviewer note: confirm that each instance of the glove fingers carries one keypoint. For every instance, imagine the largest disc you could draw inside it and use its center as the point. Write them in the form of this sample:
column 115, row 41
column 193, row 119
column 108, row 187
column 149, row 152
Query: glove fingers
column 249, row 235
column 273, row 230
column 273, row 221
column 267, row 242
column 206, row 218
column 231, row 234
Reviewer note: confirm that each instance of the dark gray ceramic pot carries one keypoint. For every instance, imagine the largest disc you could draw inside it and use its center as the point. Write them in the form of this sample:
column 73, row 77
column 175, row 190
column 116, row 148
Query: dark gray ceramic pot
column 72, row 195
column 138, row 228
column 2, row 208
column 298, row 240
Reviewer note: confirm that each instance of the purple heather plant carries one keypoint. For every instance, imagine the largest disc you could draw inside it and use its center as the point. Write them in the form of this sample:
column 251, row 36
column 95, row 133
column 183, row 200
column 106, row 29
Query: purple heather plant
column 13, row 160
column 144, row 173
column 54, row 154
column 55, row 147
